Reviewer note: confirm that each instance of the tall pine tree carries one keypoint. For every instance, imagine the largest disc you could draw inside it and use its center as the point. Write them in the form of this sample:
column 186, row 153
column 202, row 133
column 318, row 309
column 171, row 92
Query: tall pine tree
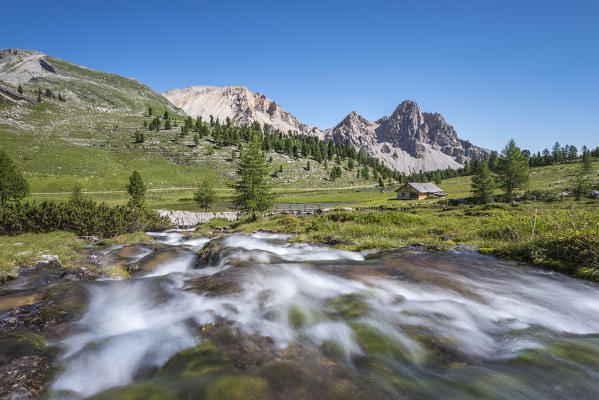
column 483, row 184
column 13, row 185
column 253, row 194
column 512, row 169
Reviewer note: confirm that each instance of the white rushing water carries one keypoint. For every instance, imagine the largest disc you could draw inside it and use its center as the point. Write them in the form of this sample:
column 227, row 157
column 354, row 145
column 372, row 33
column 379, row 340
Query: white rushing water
column 139, row 323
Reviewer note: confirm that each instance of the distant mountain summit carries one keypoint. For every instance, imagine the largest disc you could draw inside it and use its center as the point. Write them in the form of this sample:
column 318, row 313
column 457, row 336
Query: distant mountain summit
column 238, row 103
column 408, row 140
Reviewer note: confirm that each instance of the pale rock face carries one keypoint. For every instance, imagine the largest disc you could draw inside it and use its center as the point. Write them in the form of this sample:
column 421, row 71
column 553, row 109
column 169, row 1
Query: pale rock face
column 20, row 66
column 408, row 140
column 238, row 103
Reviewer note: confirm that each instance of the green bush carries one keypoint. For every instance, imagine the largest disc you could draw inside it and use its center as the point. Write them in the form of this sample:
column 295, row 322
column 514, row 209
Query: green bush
column 83, row 217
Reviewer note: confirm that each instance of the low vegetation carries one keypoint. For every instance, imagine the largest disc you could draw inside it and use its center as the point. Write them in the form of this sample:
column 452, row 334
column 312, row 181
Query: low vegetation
column 26, row 249
column 563, row 236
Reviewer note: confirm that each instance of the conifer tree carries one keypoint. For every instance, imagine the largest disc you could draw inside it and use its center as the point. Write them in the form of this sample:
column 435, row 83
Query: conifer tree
column 253, row 194
column 13, row 185
column 205, row 196
column 76, row 194
column 167, row 124
column 308, row 166
column 20, row 89
column 512, row 169
column 483, row 184
column 586, row 162
column 581, row 185
column 196, row 140
column 137, row 190
column 150, row 111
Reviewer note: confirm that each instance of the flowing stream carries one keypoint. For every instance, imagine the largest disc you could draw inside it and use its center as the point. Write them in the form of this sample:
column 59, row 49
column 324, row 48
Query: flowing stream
column 260, row 317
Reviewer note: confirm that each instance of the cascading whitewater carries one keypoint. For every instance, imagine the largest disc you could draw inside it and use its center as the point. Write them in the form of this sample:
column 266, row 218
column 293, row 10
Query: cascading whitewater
column 434, row 319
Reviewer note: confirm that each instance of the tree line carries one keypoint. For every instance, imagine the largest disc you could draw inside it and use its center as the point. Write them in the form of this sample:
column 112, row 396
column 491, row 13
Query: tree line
column 295, row 145
column 510, row 171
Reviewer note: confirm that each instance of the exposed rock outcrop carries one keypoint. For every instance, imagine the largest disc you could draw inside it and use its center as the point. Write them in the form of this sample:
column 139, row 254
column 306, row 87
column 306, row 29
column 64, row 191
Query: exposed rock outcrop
column 237, row 103
column 408, row 140
column 188, row 218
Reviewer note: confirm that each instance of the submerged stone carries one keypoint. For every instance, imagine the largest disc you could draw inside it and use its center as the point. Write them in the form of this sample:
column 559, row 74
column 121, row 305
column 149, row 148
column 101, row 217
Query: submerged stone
column 194, row 362
column 137, row 392
column 238, row 387
column 347, row 306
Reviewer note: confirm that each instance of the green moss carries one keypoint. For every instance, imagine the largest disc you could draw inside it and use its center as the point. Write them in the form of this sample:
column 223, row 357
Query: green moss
column 194, row 362
column 376, row 343
column 296, row 317
column 236, row 387
column 20, row 343
column 137, row 392
column 347, row 306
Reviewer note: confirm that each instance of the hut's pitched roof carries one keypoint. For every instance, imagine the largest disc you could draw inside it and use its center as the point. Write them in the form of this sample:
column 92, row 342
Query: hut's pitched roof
column 423, row 187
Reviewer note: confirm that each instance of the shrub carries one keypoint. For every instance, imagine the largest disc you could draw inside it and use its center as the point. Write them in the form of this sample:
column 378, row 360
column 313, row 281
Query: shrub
column 83, row 217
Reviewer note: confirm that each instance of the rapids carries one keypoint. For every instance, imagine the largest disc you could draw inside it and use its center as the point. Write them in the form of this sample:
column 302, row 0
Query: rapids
column 296, row 320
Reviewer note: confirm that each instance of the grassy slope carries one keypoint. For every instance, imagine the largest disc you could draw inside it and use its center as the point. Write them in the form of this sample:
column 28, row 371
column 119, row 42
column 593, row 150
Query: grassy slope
column 58, row 144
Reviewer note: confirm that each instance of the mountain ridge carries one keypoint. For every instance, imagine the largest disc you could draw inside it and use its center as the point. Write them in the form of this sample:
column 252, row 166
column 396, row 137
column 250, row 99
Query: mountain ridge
column 408, row 140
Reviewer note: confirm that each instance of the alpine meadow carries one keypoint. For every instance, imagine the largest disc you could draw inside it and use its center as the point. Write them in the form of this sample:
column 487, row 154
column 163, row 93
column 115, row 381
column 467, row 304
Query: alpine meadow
column 177, row 234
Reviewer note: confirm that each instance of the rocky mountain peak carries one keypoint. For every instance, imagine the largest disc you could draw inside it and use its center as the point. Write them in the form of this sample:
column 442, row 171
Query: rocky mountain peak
column 239, row 103
column 407, row 108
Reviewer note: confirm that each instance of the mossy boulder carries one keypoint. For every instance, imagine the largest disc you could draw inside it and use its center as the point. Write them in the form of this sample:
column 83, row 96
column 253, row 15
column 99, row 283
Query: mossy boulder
column 375, row 343
column 197, row 361
column 20, row 343
column 347, row 306
column 210, row 254
column 296, row 317
column 137, row 392
column 238, row 387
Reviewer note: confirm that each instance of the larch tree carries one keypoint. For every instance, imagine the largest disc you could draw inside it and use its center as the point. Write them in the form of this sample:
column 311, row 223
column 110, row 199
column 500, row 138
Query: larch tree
column 483, row 184
column 205, row 196
column 13, row 185
column 253, row 194
column 512, row 169
column 137, row 190
column 586, row 161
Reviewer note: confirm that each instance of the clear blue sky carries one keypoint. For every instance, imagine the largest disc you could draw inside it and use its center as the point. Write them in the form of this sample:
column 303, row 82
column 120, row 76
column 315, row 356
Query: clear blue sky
column 495, row 69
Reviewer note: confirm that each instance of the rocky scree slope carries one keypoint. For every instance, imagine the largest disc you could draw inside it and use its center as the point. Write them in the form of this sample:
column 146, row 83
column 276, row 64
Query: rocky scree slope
column 237, row 103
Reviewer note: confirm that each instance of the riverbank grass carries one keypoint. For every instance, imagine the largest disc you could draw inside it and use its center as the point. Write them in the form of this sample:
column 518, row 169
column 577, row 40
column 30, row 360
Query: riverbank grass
column 25, row 249
column 562, row 236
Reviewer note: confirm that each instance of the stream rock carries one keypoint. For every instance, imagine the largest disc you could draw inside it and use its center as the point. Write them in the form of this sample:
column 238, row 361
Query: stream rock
column 48, row 260
column 211, row 254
